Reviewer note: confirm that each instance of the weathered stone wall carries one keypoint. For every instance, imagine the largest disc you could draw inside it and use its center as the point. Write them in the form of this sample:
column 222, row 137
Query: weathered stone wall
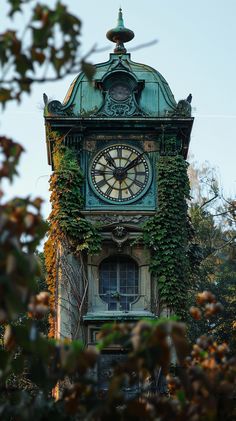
column 70, row 294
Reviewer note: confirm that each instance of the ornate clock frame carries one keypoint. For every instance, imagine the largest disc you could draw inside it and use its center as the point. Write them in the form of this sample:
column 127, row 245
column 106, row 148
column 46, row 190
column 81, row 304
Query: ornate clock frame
column 95, row 200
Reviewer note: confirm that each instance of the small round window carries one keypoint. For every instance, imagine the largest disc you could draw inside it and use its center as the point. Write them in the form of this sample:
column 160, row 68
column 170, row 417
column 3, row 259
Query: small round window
column 118, row 282
column 120, row 91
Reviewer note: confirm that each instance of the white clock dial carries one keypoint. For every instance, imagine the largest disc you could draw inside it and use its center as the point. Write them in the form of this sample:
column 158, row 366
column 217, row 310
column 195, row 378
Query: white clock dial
column 120, row 173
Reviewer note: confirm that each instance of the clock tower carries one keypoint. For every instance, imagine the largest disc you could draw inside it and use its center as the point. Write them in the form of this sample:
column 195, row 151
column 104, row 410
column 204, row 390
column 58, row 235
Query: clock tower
column 116, row 128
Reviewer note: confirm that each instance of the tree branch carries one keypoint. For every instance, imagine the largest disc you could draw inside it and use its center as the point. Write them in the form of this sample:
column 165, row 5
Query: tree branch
column 209, row 201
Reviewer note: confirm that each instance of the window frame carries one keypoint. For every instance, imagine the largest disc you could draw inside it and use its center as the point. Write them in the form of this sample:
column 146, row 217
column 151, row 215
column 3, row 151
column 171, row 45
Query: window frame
column 113, row 305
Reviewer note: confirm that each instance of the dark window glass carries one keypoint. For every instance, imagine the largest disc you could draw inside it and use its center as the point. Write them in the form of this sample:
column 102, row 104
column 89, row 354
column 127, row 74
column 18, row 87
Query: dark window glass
column 118, row 282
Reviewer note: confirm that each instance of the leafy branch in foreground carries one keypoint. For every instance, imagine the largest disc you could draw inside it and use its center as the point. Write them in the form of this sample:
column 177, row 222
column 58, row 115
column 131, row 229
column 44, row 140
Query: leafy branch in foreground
column 46, row 49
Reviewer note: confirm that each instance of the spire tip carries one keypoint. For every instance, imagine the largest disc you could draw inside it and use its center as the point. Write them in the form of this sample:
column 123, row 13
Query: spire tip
column 120, row 34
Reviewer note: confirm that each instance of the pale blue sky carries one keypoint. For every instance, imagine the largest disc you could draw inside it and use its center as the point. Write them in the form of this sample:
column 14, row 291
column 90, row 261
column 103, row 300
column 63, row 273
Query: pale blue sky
column 196, row 53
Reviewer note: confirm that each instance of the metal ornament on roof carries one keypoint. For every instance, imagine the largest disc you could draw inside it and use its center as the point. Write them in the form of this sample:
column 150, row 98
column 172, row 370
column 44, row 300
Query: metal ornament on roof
column 120, row 35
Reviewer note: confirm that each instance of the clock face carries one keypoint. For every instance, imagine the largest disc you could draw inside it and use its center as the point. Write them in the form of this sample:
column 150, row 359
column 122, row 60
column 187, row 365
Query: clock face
column 120, row 173
column 120, row 91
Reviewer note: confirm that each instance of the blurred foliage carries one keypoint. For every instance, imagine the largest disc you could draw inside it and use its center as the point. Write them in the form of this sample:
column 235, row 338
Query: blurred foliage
column 45, row 49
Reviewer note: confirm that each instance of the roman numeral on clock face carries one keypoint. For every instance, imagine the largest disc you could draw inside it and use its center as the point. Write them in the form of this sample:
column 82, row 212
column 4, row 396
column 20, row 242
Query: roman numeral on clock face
column 130, row 191
column 140, row 173
column 102, row 172
column 138, row 183
column 97, row 172
column 101, row 183
column 119, row 153
column 108, row 191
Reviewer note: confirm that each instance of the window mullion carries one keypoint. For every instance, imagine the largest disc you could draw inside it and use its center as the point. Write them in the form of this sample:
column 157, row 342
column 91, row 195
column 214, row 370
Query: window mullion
column 118, row 275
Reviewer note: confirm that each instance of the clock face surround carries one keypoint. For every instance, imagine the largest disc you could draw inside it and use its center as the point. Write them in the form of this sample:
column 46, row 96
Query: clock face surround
column 120, row 174
column 119, row 91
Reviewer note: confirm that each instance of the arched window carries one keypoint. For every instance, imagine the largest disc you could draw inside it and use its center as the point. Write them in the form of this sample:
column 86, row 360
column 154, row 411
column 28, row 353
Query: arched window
column 118, row 282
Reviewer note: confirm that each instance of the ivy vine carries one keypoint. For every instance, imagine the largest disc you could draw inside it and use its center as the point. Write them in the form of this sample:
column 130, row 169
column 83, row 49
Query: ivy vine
column 66, row 221
column 166, row 234
column 67, row 203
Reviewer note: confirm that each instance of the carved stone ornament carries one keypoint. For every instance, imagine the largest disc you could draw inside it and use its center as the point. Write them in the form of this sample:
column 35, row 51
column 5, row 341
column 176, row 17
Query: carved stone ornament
column 57, row 108
column 126, row 108
column 119, row 235
column 119, row 232
column 121, row 65
column 183, row 108
column 114, row 219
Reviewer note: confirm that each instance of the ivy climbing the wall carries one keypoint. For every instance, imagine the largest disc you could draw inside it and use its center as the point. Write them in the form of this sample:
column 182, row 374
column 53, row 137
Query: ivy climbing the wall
column 66, row 223
column 166, row 234
column 67, row 203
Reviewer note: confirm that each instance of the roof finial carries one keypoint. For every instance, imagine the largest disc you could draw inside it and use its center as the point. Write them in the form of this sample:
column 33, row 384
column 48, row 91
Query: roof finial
column 120, row 21
column 120, row 34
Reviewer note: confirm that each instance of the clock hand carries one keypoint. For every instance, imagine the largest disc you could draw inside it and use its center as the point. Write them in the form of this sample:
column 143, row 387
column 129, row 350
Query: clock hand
column 109, row 160
column 133, row 163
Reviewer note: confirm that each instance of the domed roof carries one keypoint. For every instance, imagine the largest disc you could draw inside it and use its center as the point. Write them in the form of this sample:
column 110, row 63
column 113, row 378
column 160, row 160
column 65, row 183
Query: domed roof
column 150, row 94
column 156, row 99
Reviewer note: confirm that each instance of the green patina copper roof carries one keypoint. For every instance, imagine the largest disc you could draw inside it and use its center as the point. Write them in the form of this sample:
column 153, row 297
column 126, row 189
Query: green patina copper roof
column 156, row 97
column 85, row 99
